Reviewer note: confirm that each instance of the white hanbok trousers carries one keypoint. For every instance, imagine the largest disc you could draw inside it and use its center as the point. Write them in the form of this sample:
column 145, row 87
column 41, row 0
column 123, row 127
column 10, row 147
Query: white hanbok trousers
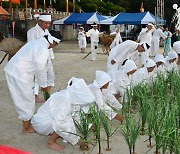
column 94, row 46
column 22, row 96
column 154, row 46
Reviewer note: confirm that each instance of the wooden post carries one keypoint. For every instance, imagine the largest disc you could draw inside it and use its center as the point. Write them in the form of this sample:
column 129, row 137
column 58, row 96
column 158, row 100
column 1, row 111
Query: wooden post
column 1, row 2
column 74, row 6
column 67, row 7
column 26, row 4
column 44, row 4
column 35, row 4
column 10, row 7
column 50, row 3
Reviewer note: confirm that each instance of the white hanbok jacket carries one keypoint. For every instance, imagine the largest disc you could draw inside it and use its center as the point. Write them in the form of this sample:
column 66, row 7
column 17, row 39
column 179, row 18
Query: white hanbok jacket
column 155, row 41
column 142, row 76
column 122, row 81
column 55, row 116
column 145, row 36
column 117, row 40
column 31, row 60
column 103, row 98
column 37, row 32
column 120, row 53
column 94, row 35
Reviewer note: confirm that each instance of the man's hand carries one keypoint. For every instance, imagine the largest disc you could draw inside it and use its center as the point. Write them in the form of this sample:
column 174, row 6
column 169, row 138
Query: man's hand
column 113, row 62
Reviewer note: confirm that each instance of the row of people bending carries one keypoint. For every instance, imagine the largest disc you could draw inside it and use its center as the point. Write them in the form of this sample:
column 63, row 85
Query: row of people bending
column 56, row 115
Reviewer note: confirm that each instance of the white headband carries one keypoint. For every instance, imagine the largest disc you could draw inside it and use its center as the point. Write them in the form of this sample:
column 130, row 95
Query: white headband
column 150, row 24
column 45, row 17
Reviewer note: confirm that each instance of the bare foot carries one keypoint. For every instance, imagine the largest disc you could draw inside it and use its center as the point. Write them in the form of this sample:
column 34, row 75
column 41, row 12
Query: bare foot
column 28, row 130
column 55, row 146
column 120, row 117
column 39, row 100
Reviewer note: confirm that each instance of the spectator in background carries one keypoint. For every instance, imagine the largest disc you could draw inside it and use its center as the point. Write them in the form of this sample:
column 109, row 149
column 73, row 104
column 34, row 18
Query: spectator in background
column 167, row 41
column 82, row 39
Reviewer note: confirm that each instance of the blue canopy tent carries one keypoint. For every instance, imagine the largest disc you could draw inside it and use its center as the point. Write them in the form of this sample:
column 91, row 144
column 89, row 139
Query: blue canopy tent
column 81, row 18
column 132, row 19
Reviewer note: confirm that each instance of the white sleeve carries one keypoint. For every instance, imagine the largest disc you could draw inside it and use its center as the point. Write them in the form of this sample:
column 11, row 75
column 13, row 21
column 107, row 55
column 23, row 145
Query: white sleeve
column 109, row 112
column 41, row 64
column 112, row 101
column 162, row 35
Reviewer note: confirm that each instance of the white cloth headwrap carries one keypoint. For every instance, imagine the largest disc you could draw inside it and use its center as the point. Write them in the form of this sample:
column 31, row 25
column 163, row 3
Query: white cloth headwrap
column 102, row 78
column 176, row 46
column 129, row 66
column 79, row 91
column 172, row 55
column 45, row 17
column 150, row 63
column 159, row 58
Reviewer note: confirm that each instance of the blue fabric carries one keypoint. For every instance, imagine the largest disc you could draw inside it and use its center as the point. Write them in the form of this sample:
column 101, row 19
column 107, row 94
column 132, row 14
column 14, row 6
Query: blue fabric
column 129, row 18
column 81, row 18
column 134, row 18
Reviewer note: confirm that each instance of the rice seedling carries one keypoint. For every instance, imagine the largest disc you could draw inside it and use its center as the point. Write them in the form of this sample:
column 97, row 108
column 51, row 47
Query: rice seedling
column 84, row 130
column 130, row 131
column 95, row 116
column 107, row 129
column 151, row 117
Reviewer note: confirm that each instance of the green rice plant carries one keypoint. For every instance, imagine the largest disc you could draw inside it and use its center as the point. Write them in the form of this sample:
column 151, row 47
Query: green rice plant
column 94, row 113
column 84, row 130
column 151, row 117
column 141, row 93
column 107, row 129
column 130, row 131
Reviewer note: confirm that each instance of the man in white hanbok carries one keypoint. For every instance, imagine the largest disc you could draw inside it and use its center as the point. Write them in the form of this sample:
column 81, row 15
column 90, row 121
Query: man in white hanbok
column 155, row 41
column 105, row 100
column 94, row 35
column 34, row 33
column 30, row 61
column 126, row 50
column 145, row 74
column 117, row 40
column 171, row 64
column 160, row 64
column 176, row 46
column 122, row 78
column 146, row 36
column 54, row 117
column 82, row 39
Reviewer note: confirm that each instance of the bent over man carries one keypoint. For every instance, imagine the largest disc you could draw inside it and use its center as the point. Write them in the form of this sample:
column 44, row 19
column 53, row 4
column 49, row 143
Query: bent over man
column 32, row 60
